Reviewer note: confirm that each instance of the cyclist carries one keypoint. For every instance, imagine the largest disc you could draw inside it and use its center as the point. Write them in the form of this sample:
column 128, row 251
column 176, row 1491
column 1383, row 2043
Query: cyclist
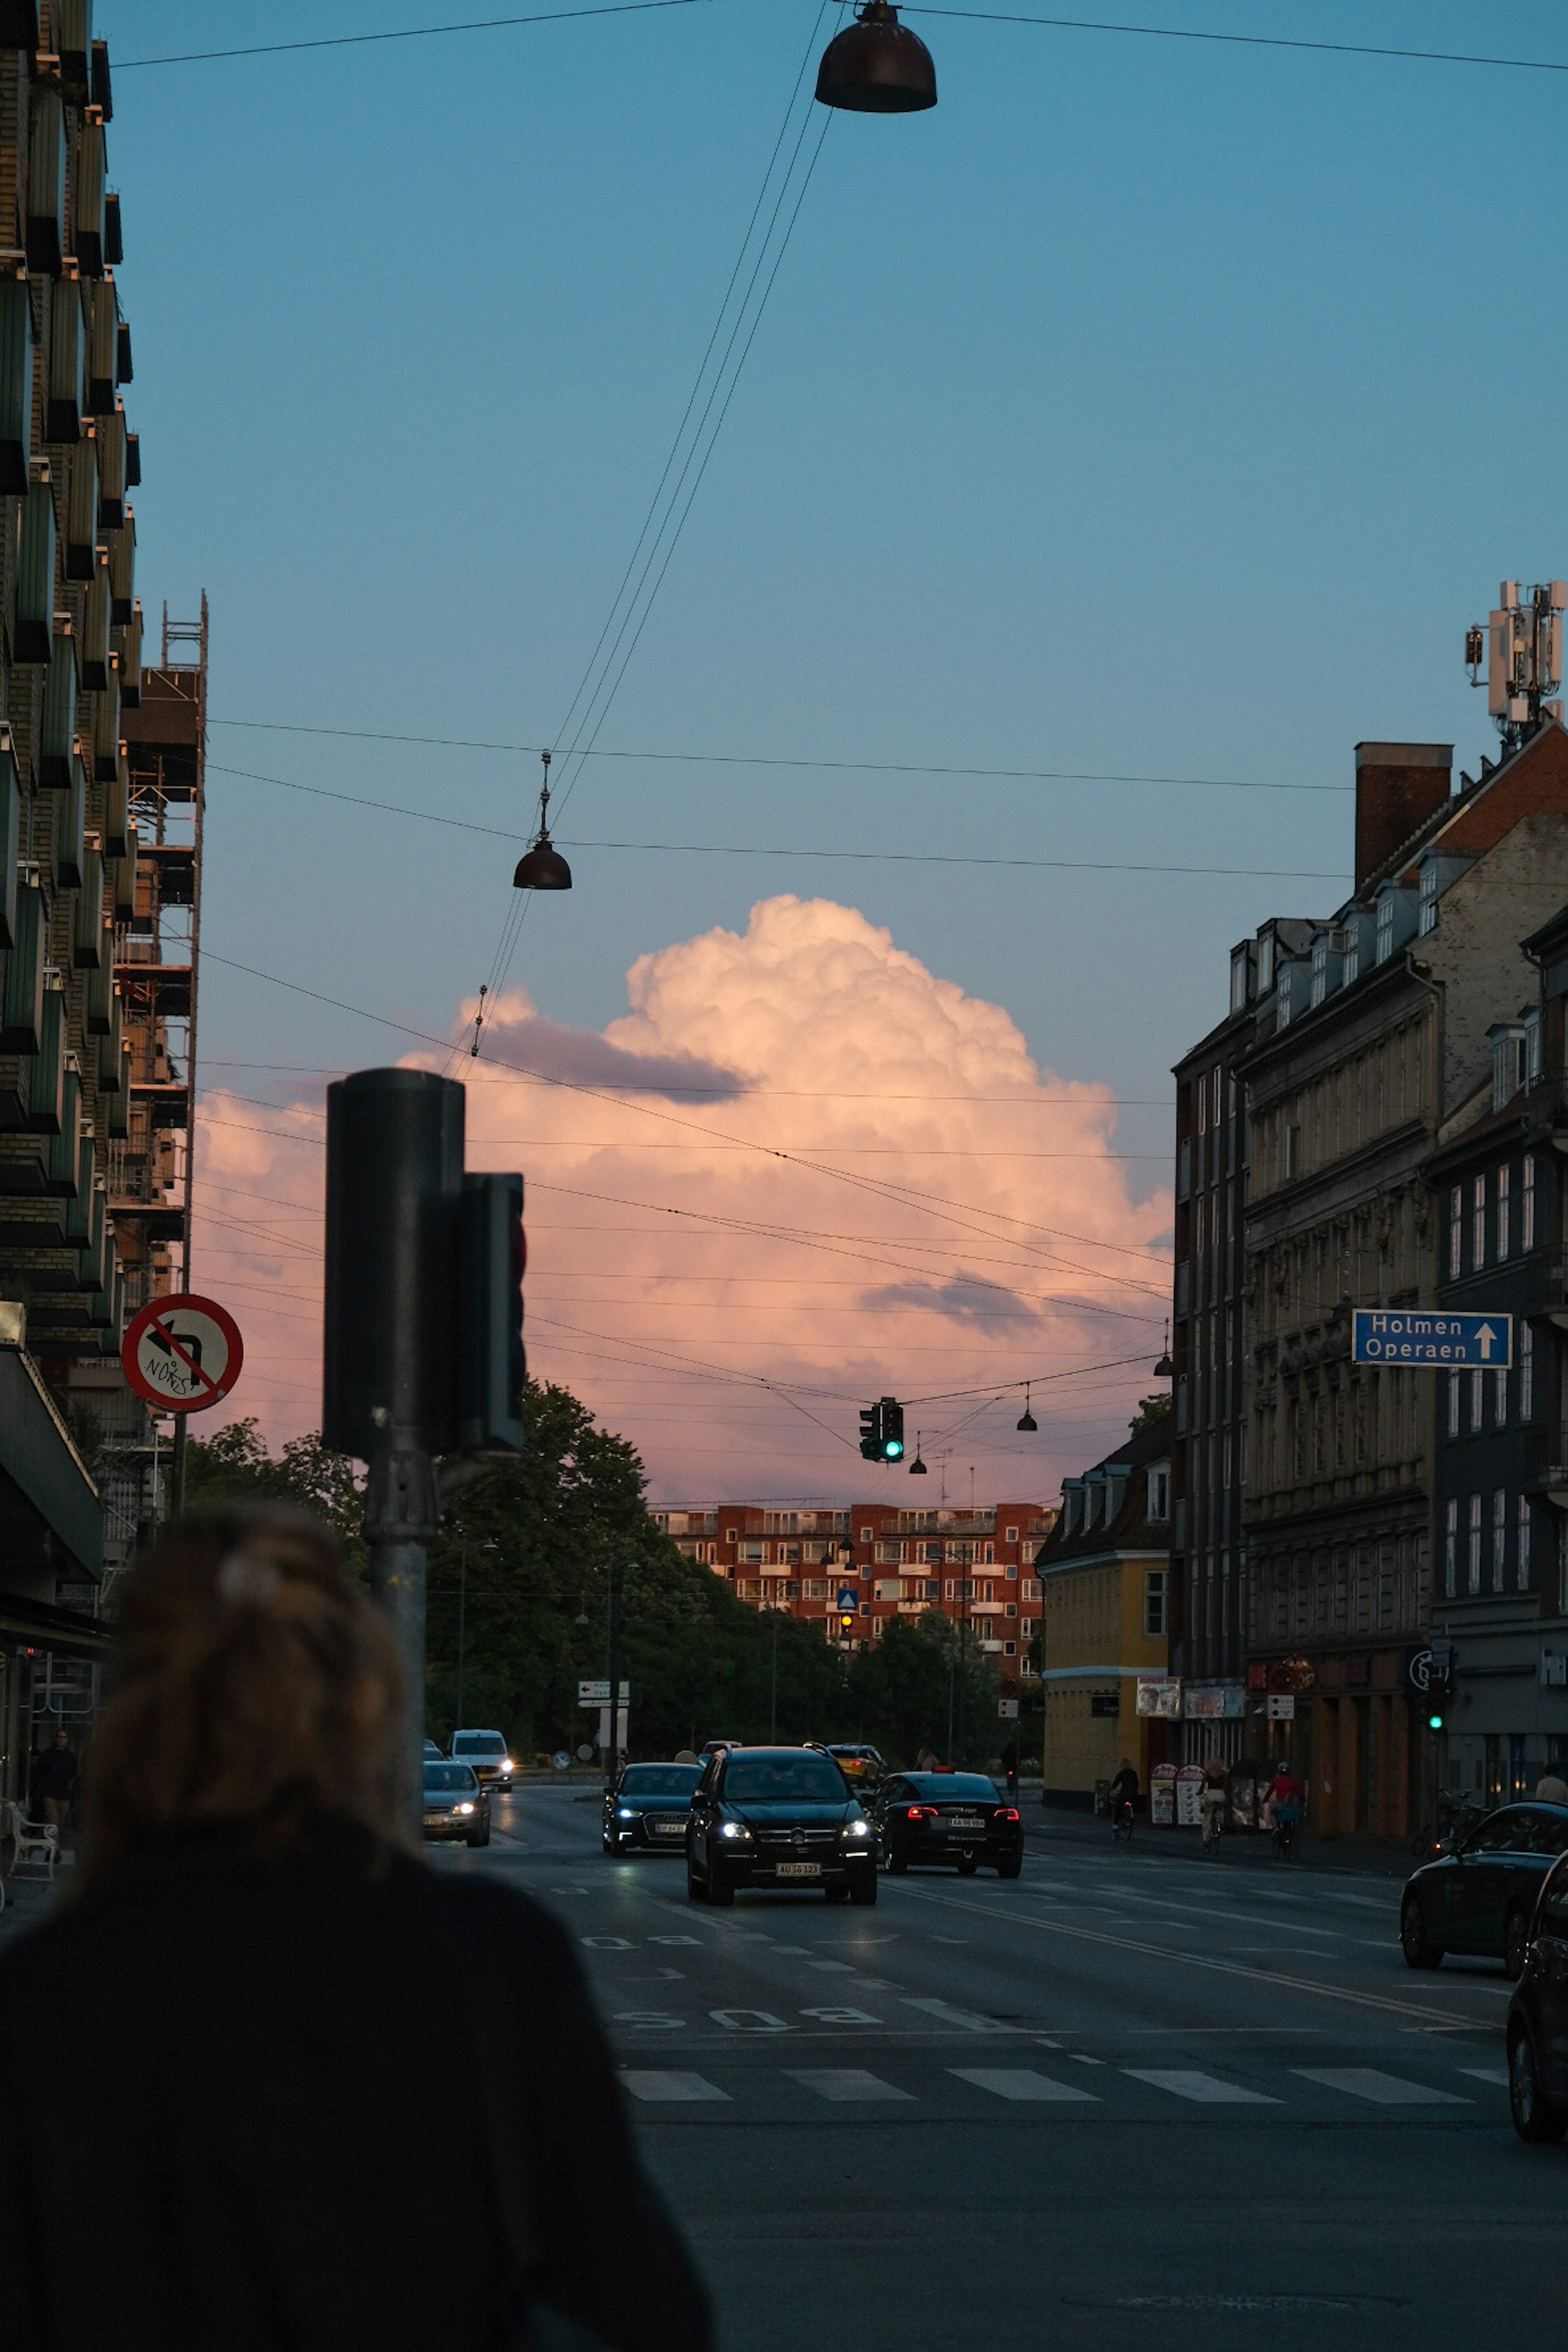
column 1284, row 1797
column 1212, row 1800
column 1123, row 1796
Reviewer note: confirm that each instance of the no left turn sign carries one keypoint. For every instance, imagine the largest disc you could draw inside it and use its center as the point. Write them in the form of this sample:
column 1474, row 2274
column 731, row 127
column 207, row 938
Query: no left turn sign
column 182, row 1353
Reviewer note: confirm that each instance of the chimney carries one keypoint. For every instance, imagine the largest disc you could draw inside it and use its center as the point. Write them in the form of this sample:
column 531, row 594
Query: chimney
column 1397, row 787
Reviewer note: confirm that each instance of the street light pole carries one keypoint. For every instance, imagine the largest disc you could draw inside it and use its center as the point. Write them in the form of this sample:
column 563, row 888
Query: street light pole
column 462, row 1614
column 773, row 1706
column 612, row 1759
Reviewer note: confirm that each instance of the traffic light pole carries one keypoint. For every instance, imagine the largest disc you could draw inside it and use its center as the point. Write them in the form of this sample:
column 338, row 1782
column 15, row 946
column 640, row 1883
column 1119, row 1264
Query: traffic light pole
column 611, row 1759
column 402, row 1514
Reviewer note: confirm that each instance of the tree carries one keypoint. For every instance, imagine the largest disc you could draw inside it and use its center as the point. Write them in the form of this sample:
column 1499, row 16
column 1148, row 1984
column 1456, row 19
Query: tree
column 1150, row 1409
column 921, row 1678
column 234, row 1464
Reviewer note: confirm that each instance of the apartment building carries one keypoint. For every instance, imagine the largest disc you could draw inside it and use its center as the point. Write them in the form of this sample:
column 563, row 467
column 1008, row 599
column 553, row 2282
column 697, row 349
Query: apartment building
column 1370, row 1031
column 1501, row 1558
column 975, row 1566
column 71, row 652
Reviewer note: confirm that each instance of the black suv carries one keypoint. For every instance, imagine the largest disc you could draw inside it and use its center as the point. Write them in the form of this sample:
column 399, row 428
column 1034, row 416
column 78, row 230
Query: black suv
column 1537, row 2020
column 778, row 1817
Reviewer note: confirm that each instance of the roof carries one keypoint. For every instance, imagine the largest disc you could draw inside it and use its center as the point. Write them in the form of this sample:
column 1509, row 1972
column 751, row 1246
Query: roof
column 1130, row 1529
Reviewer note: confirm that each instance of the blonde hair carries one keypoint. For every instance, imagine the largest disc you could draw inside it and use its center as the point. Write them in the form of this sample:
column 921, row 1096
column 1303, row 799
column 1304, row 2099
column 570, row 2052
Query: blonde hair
column 254, row 1684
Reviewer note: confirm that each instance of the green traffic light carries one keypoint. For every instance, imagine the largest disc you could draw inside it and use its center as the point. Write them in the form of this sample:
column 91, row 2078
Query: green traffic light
column 1434, row 1723
column 894, row 1448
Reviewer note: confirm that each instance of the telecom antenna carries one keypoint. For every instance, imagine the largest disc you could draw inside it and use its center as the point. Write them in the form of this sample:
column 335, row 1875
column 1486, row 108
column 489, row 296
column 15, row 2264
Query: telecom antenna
column 1522, row 646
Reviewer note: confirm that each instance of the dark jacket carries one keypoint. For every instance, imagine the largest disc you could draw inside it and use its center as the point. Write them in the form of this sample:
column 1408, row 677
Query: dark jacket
column 55, row 1771
column 313, row 2105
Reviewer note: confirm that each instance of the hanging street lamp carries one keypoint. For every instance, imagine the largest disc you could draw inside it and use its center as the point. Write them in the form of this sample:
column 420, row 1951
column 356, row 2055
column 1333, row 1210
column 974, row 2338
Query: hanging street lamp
column 543, row 867
column 1028, row 1422
column 876, row 65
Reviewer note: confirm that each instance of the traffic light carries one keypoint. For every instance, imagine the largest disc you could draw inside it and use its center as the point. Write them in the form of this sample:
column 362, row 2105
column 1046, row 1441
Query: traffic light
column 1436, row 1706
column 883, row 1431
column 846, row 1623
column 491, row 1366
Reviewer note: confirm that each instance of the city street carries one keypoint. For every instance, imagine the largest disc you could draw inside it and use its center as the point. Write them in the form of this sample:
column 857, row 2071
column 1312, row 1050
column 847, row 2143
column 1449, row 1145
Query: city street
column 1130, row 2099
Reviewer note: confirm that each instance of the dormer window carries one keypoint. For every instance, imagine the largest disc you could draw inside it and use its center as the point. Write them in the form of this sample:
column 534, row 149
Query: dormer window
column 1532, row 1049
column 1320, row 972
column 1428, row 917
column 1160, row 1492
column 1384, row 928
column 1264, row 962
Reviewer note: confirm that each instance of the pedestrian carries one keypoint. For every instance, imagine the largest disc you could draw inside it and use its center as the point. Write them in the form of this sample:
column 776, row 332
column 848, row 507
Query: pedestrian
column 1552, row 1788
column 55, row 1777
column 329, row 2096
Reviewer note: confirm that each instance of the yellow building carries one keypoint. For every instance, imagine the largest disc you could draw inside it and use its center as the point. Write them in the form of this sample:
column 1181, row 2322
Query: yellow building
column 1105, row 1601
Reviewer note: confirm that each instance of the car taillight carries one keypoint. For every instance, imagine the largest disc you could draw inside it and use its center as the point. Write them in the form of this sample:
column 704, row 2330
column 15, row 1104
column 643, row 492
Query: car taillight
column 1006, row 1813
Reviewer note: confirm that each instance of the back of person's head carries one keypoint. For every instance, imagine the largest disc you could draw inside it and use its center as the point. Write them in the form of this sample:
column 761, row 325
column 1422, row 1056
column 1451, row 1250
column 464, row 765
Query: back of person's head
column 254, row 1685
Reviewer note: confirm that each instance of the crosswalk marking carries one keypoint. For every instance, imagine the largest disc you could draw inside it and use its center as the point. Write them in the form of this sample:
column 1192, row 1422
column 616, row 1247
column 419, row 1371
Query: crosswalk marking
column 1382, row 2090
column 946, row 2014
column 842, row 2082
column 1185, row 2083
column 1020, row 2082
column 644, row 2083
column 1498, row 2074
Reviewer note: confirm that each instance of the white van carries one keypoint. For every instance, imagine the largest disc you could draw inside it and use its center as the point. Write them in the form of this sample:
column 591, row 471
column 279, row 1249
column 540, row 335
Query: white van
column 486, row 1752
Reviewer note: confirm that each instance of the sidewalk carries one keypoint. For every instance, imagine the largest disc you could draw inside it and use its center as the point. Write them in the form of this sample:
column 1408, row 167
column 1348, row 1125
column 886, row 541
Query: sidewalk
column 27, row 1899
column 1362, row 1857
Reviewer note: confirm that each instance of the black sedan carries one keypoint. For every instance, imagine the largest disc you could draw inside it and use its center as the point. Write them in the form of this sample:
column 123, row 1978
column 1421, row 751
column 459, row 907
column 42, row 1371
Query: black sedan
column 1481, row 1898
column 647, row 1809
column 778, row 1817
column 456, row 1806
column 1537, row 2020
column 953, row 1819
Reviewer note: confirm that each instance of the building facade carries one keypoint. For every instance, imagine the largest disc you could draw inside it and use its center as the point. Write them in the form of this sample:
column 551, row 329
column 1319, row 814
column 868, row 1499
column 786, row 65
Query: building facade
column 1104, row 1574
column 975, row 1567
column 1208, row 1444
column 1500, row 1555
column 1370, row 1028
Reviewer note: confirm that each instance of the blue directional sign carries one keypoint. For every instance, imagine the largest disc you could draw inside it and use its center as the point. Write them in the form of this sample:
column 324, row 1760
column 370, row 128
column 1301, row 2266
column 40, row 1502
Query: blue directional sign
column 848, row 1597
column 1387, row 1335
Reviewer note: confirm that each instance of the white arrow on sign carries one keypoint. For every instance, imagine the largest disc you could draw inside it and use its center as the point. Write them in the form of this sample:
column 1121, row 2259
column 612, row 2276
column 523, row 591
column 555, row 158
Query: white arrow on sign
column 1484, row 1338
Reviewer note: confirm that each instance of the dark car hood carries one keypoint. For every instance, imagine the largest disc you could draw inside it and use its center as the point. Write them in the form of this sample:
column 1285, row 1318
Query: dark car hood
column 799, row 1814
column 639, row 1802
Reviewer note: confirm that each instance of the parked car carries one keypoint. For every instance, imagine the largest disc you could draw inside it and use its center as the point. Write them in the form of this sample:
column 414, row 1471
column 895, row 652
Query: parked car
column 432, row 1749
column 649, row 1807
column 1538, row 2019
column 778, row 1817
column 1481, row 1897
column 455, row 1803
column 486, row 1752
column 952, row 1819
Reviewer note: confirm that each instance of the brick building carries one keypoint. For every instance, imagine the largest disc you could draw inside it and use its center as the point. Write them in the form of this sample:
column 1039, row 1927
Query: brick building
column 976, row 1567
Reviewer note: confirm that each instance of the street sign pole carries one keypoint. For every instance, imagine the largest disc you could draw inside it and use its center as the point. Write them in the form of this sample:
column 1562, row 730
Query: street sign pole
column 612, row 1754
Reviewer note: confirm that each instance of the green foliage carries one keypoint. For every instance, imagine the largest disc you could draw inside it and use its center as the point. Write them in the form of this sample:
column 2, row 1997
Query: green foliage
column 922, row 1675
column 1150, row 1408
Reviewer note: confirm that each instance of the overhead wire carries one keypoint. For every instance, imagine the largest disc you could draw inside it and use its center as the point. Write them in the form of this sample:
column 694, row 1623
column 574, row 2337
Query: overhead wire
column 400, row 33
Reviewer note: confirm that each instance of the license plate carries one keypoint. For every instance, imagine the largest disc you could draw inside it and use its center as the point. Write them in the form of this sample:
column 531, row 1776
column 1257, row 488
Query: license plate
column 962, row 1822
column 670, row 1829
column 799, row 1870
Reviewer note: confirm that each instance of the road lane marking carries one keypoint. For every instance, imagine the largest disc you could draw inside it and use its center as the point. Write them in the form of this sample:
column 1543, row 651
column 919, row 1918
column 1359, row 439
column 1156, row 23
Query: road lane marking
column 645, row 2083
column 945, row 2013
column 766, row 2023
column 605, row 1943
column 1382, row 2090
column 832, row 1967
column 1081, row 2058
column 654, row 2020
column 1275, row 1981
column 844, row 2082
column 1498, row 2074
column 1020, row 2082
column 1206, row 2090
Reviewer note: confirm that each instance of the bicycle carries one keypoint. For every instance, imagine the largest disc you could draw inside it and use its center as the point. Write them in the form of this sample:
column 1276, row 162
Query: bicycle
column 1456, row 1817
column 1287, row 1819
column 1121, row 1822
column 1213, row 1827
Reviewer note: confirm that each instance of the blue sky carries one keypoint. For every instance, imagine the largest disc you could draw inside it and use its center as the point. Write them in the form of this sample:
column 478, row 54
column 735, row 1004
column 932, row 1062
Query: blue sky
column 1149, row 407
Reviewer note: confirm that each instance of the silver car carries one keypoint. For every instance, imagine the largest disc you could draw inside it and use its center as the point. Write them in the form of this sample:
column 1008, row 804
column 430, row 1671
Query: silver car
column 456, row 1806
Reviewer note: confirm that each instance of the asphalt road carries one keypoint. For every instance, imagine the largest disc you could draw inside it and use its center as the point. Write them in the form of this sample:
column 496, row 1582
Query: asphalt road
column 1126, row 2100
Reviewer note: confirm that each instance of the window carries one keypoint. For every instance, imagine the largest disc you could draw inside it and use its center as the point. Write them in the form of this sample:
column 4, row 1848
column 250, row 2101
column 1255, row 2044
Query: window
column 1292, row 1153
column 1384, row 930
column 1428, row 919
column 1521, row 1549
column 1011, row 1535
column 1502, row 1207
column 1202, row 1108
column 1526, row 1372
column 1456, row 1229
column 1451, row 1548
column 1453, row 1383
column 1527, row 1204
column 1499, row 1538
column 1319, row 970
column 1500, row 1397
column 1478, row 1401
column 1266, row 963
column 1009, row 1649
column 1154, row 1581
column 1474, row 1564
column 864, row 1535
column 1160, row 1494
column 1478, row 1223
column 1012, row 1608
column 1532, row 1049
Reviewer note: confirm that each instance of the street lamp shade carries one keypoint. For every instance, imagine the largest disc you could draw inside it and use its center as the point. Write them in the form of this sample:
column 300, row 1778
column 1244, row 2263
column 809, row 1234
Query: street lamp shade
column 917, row 1467
column 876, row 65
column 1165, row 1370
column 1028, row 1422
column 543, row 867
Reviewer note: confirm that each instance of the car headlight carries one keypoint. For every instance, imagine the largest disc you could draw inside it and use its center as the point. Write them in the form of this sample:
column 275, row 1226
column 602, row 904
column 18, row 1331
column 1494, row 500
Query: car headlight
column 466, row 1807
column 625, row 1813
column 734, row 1830
column 860, row 1828
column 507, row 1765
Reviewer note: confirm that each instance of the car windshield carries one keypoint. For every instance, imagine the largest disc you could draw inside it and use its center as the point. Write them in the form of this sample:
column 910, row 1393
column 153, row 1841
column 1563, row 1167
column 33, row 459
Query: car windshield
column 479, row 1743
column 659, row 1779
column 775, row 1779
column 939, row 1785
column 448, row 1777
